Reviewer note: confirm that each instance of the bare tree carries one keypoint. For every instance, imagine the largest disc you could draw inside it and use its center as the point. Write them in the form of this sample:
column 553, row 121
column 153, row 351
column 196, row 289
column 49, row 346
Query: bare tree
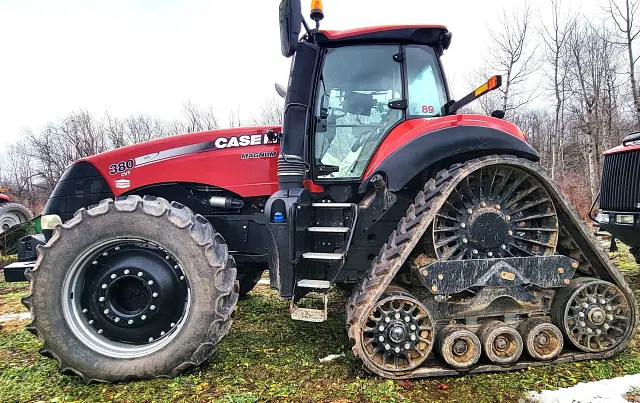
column 271, row 113
column 624, row 18
column 511, row 53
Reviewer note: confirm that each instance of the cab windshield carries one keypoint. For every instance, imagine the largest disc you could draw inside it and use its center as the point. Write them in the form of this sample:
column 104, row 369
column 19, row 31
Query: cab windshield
column 356, row 87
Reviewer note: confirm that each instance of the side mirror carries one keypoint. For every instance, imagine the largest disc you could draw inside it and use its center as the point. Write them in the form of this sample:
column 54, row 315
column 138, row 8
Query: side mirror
column 290, row 26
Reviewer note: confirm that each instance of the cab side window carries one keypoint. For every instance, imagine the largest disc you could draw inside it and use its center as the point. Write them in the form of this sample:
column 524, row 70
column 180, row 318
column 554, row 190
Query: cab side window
column 426, row 88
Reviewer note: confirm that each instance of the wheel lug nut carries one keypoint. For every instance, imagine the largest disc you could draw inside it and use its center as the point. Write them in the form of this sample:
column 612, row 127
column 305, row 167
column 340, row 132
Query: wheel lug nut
column 154, row 295
column 150, row 282
column 407, row 346
column 592, row 300
column 589, row 330
column 413, row 327
column 387, row 319
column 582, row 324
column 483, row 204
column 381, row 328
column 465, row 240
column 602, row 301
column 585, row 305
column 181, row 277
column 117, row 248
column 509, row 232
column 397, row 316
column 176, row 267
column 130, row 321
column 162, row 333
column 152, row 307
column 150, row 339
column 85, row 310
column 407, row 319
column 413, row 337
column 598, row 331
column 397, row 350
column 609, row 308
column 106, row 311
column 172, row 324
column 100, row 331
column 91, row 322
column 497, row 207
column 140, row 274
column 104, row 286
column 101, row 299
column 127, row 271
column 508, row 218
column 116, row 320
column 105, row 254
column 503, row 246
column 581, row 314
column 605, row 326
column 470, row 211
column 95, row 262
column 490, row 254
column 610, row 317
column 143, row 317
column 167, row 257
column 475, row 251
column 381, row 339
column 387, row 347
column 463, row 225
column 113, row 276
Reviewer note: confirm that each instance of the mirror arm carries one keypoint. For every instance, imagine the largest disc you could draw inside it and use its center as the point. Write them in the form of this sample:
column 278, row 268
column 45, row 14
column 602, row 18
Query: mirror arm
column 306, row 27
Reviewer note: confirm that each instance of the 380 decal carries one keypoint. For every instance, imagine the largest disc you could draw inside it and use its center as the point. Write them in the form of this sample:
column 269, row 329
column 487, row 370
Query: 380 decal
column 122, row 166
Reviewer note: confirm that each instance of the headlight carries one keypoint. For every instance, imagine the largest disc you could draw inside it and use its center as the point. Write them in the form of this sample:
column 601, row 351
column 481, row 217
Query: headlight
column 602, row 218
column 625, row 219
column 50, row 221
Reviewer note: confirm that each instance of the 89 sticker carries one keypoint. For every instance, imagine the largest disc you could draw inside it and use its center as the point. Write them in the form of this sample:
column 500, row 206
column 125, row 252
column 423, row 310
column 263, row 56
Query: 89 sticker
column 121, row 166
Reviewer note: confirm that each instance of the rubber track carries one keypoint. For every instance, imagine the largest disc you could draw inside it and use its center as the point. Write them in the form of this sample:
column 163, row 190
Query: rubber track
column 574, row 237
column 195, row 226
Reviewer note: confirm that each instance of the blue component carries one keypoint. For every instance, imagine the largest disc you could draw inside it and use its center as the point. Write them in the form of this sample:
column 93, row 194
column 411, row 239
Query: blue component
column 278, row 217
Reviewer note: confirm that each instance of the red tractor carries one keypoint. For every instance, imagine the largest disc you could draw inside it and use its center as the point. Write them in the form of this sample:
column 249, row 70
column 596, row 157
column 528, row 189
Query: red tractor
column 12, row 213
column 461, row 253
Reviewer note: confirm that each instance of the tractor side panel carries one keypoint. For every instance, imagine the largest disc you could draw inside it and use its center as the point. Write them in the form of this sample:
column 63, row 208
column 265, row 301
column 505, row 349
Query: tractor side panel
column 241, row 160
column 417, row 144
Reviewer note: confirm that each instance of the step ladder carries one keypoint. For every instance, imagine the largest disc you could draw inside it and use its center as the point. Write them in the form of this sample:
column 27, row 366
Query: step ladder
column 315, row 291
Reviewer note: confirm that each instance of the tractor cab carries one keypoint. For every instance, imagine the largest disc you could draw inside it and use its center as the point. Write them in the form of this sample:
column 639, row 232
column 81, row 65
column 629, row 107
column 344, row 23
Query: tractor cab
column 347, row 91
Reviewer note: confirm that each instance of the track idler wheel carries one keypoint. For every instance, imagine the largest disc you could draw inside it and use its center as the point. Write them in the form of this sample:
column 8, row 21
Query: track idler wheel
column 397, row 334
column 543, row 340
column 593, row 314
column 501, row 343
column 459, row 347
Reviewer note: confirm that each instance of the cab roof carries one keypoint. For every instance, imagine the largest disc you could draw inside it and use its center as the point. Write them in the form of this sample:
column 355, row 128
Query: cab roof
column 405, row 34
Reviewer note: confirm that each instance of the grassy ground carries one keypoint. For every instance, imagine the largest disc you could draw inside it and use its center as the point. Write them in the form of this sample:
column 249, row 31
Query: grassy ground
column 268, row 357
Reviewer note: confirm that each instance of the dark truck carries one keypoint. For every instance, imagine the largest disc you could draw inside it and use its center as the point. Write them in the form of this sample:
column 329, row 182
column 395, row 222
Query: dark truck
column 620, row 193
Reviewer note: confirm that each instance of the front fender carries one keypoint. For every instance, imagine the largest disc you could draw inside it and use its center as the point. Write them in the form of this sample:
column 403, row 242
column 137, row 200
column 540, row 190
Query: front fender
column 416, row 145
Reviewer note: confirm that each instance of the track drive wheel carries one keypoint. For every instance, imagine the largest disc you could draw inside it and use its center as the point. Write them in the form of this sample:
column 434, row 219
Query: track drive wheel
column 13, row 214
column 132, row 288
column 398, row 333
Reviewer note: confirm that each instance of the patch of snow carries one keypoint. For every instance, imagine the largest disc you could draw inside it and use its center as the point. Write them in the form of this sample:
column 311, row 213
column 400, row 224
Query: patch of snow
column 15, row 316
column 331, row 357
column 264, row 281
column 605, row 391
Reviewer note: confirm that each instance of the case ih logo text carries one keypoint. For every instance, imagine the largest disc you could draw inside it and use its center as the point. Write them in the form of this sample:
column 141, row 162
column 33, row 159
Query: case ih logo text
column 243, row 141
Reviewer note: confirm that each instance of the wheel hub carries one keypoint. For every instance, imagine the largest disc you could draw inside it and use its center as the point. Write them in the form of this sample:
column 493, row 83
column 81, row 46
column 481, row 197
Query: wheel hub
column 488, row 229
column 398, row 333
column 133, row 293
column 501, row 343
column 541, row 339
column 596, row 315
column 460, row 347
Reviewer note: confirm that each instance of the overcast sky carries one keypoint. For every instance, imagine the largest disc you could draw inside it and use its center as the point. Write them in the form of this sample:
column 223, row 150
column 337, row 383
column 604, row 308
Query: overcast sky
column 150, row 56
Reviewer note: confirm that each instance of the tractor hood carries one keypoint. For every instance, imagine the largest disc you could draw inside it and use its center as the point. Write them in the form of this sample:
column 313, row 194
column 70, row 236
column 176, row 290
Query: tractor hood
column 241, row 160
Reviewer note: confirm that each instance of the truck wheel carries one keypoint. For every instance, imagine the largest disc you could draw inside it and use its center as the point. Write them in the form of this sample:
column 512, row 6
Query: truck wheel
column 132, row 288
column 635, row 251
column 248, row 278
column 13, row 214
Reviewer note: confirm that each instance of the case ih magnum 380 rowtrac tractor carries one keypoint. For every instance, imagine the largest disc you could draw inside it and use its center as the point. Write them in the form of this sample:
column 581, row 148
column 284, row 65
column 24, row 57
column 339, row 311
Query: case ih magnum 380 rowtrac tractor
column 620, row 193
column 463, row 256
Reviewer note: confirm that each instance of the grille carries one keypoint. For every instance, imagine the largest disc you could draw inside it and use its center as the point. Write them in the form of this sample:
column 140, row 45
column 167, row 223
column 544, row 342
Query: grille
column 621, row 182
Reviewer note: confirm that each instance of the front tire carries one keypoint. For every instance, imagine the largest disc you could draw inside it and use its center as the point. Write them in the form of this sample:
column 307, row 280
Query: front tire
column 13, row 214
column 132, row 288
